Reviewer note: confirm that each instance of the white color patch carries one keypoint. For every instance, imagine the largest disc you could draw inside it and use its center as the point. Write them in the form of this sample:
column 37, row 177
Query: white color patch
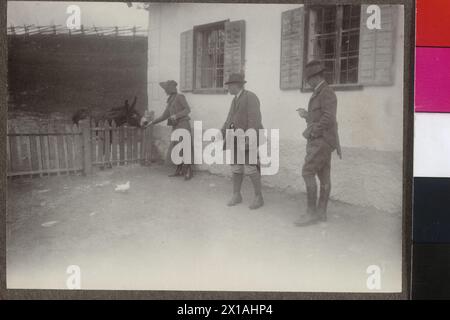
column 431, row 145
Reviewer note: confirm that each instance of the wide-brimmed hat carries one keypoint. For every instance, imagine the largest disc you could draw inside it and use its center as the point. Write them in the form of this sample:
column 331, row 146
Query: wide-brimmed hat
column 236, row 78
column 312, row 68
column 169, row 85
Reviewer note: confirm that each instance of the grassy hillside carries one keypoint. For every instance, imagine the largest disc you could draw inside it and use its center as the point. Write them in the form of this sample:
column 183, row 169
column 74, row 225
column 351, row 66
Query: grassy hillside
column 58, row 73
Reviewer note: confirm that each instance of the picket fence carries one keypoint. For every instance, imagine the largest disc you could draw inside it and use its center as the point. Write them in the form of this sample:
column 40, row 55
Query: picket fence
column 71, row 149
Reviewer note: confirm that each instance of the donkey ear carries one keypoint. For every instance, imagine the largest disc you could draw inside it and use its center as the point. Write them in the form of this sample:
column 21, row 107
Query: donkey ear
column 134, row 102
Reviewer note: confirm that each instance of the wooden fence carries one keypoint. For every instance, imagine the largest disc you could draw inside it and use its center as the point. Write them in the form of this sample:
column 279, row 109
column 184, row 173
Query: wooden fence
column 67, row 149
column 48, row 30
column 113, row 145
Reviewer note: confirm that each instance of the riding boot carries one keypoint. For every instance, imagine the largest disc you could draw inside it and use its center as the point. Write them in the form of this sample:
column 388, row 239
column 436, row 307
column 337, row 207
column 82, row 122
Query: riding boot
column 323, row 202
column 311, row 216
column 256, row 181
column 311, row 200
column 178, row 172
column 188, row 172
column 237, row 183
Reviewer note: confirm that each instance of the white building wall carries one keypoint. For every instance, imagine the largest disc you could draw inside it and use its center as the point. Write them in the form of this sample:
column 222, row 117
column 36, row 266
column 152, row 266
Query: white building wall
column 369, row 119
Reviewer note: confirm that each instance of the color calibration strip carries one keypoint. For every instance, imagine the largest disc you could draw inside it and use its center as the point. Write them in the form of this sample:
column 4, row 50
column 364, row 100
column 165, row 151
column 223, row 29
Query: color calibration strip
column 431, row 215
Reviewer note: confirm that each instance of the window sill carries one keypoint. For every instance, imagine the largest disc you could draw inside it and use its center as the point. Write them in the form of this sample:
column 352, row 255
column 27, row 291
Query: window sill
column 210, row 91
column 339, row 87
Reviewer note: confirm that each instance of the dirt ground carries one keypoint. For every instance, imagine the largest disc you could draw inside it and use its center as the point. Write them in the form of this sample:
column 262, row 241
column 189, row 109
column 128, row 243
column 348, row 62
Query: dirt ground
column 169, row 234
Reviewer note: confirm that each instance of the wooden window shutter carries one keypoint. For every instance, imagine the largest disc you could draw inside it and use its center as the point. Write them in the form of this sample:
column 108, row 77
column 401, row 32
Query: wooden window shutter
column 187, row 60
column 234, row 56
column 292, row 40
column 376, row 48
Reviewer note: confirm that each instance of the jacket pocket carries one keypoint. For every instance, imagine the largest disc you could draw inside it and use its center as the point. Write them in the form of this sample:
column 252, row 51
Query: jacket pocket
column 307, row 132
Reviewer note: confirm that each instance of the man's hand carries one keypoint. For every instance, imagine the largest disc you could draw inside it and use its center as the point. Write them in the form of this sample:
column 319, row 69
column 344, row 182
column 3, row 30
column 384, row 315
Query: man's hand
column 302, row 113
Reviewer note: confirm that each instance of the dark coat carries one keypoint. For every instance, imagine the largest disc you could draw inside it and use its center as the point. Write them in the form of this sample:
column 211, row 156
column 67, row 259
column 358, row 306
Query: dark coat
column 321, row 118
column 244, row 114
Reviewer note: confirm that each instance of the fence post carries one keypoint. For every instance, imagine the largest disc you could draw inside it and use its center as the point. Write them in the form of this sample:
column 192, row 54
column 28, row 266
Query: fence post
column 149, row 144
column 86, row 137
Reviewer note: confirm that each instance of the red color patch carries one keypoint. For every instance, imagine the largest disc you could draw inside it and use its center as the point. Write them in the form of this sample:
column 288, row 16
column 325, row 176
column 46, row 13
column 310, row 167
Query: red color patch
column 433, row 23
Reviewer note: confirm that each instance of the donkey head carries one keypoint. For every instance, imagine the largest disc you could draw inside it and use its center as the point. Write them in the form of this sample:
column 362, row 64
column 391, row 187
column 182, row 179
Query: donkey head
column 126, row 114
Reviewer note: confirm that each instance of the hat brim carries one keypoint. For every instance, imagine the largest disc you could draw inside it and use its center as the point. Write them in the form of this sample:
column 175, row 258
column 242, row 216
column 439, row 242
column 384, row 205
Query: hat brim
column 315, row 73
column 167, row 86
column 230, row 82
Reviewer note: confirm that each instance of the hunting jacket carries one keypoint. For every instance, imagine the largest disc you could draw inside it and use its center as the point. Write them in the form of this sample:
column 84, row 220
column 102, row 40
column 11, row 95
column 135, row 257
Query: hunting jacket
column 321, row 117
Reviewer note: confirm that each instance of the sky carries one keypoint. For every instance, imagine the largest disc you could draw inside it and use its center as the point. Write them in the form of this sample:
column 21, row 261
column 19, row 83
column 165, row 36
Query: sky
column 100, row 14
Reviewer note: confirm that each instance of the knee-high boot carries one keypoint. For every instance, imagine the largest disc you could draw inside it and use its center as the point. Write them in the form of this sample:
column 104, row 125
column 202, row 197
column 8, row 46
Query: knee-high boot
column 237, row 183
column 256, row 181
column 323, row 201
column 178, row 172
column 311, row 215
column 311, row 194
column 188, row 172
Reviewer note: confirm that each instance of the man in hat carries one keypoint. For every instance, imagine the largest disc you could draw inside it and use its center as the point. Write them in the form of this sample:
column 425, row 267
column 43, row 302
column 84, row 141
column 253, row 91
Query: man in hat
column 177, row 115
column 322, row 139
column 244, row 114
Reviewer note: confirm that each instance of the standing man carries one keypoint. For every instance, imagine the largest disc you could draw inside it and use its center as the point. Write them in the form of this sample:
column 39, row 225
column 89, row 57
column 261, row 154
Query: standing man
column 244, row 114
column 322, row 139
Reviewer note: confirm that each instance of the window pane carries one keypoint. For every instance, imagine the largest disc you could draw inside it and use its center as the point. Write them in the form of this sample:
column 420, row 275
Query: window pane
column 351, row 17
column 324, row 47
column 349, row 70
column 334, row 40
column 326, row 20
column 323, row 20
column 350, row 44
column 210, row 57
column 329, row 73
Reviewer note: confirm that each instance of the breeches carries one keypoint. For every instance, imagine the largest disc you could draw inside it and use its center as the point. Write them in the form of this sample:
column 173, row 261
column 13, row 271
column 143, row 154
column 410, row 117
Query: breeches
column 318, row 160
column 248, row 169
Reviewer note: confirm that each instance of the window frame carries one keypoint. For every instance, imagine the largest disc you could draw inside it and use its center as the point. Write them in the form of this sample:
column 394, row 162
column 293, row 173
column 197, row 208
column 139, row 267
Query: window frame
column 196, row 29
column 339, row 17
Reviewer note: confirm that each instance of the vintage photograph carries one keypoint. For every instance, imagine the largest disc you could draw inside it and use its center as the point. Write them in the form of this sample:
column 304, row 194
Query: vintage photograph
column 205, row 147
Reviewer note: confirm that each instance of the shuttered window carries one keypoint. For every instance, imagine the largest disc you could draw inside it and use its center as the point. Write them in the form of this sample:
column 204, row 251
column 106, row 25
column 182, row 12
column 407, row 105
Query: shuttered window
column 338, row 36
column 292, row 36
column 186, row 60
column 209, row 54
column 234, row 48
column 376, row 53
column 209, row 43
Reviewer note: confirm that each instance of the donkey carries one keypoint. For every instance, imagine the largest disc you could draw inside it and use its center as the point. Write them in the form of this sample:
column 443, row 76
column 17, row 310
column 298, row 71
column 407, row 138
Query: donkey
column 122, row 115
column 125, row 114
